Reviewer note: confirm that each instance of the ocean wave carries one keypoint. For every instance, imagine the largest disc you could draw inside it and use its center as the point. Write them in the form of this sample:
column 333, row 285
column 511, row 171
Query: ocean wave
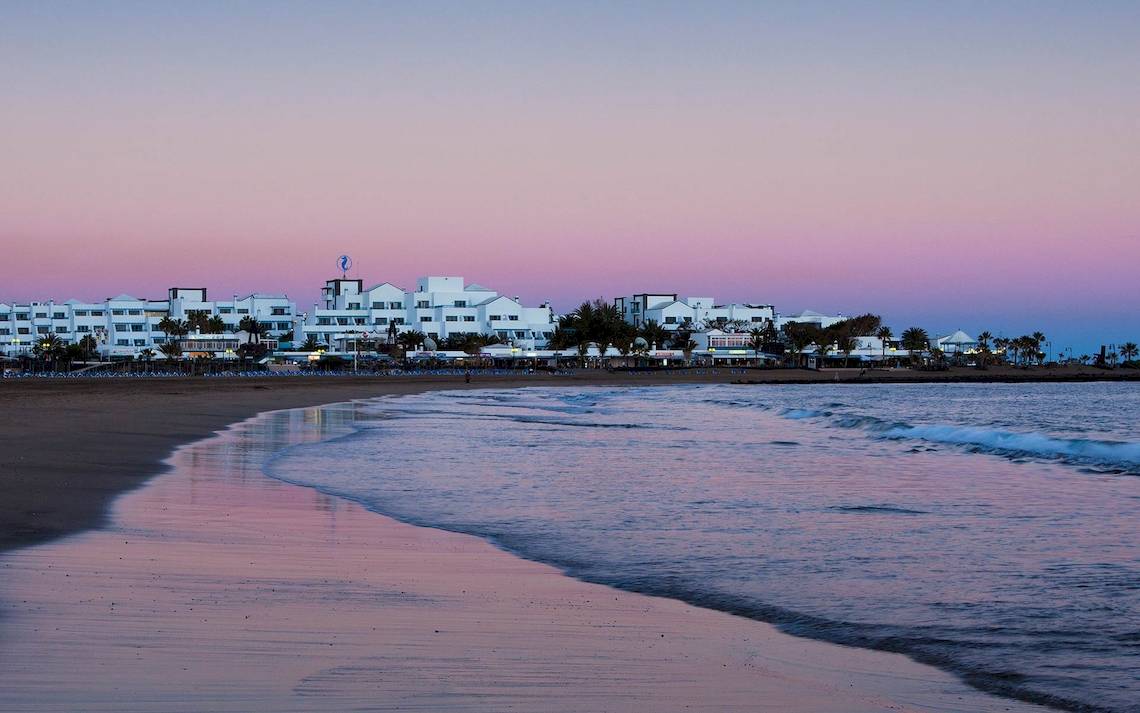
column 878, row 509
column 1120, row 456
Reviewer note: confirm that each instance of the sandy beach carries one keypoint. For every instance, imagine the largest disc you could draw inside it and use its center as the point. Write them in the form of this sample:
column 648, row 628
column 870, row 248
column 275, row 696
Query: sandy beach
column 67, row 447
column 217, row 588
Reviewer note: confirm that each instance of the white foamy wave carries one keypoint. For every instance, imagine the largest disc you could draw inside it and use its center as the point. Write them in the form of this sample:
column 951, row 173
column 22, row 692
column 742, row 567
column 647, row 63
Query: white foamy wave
column 1108, row 453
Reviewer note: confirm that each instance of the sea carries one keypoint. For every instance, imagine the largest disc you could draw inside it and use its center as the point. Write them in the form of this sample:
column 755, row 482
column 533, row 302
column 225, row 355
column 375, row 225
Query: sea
column 992, row 530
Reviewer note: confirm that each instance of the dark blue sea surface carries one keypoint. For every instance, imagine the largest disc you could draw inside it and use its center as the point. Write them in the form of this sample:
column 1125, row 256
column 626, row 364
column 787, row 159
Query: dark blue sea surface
column 992, row 530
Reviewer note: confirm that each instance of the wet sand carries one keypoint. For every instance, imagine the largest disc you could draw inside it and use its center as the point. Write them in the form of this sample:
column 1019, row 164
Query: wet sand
column 216, row 588
column 67, row 447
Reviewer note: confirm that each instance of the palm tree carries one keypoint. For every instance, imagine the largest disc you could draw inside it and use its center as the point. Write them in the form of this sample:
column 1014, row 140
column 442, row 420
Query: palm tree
column 50, row 348
column 215, row 325
column 984, row 349
column 915, row 339
column 311, row 344
column 799, row 337
column 198, row 320
column 1128, row 351
column 654, row 334
column 846, row 344
column 411, row 339
column 1001, row 346
column 171, row 350
column 88, row 345
column 253, row 328
column 174, row 327
column 1038, row 339
column 756, row 342
column 884, row 334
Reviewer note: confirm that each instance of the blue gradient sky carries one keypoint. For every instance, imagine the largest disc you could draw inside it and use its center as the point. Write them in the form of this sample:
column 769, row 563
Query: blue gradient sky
column 951, row 165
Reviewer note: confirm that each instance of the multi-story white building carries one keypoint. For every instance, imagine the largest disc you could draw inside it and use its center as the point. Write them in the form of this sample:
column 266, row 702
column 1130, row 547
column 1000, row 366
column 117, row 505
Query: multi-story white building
column 124, row 326
column 439, row 307
column 700, row 312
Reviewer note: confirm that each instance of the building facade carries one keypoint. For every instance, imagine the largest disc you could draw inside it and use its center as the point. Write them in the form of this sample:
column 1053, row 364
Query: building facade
column 698, row 312
column 125, row 326
column 440, row 307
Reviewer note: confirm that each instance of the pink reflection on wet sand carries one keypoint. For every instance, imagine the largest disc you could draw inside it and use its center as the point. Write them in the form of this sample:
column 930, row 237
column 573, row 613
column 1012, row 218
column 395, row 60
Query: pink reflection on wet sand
column 217, row 588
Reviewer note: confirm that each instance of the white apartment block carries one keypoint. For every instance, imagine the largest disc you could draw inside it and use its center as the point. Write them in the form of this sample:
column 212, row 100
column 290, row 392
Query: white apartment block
column 124, row 326
column 669, row 312
column 439, row 307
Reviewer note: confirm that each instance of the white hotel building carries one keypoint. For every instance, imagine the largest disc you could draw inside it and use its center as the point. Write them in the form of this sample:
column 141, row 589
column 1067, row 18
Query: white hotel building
column 124, row 326
column 669, row 312
column 439, row 307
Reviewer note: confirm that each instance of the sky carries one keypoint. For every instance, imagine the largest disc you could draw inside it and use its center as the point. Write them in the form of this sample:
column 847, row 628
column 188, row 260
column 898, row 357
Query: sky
column 969, row 165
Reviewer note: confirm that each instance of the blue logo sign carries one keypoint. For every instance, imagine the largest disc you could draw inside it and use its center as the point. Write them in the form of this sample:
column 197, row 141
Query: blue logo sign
column 344, row 262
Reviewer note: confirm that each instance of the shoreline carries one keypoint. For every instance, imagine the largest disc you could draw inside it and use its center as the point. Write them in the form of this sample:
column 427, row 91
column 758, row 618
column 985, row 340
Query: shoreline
column 214, row 566
column 69, row 446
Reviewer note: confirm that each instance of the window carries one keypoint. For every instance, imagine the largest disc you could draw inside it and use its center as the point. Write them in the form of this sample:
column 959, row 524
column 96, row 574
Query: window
column 41, row 330
column 6, row 316
column 496, row 317
column 122, row 342
column 380, row 320
column 61, row 330
column 80, row 313
column 460, row 303
column 397, row 320
column 519, row 333
column 395, row 305
column 122, row 327
column 670, row 320
column 96, row 313
column 243, row 311
column 83, row 329
column 23, row 316
column 423, row 304
column 278, row 311
column 425, row 319
column 451, row 318
column 324, row 320
column 117, row 312
column 758, row 319
column 58, row 315
column 138, row 327
column 342, row 321
column 468, row 318
column 354, row 305
column 284, row 325
column 513, row 318
column 377, row 305
column 358, row 320
column 140, row 342
column 226, row 310
column 22, row 330
column 5, row 331
column 134, row 311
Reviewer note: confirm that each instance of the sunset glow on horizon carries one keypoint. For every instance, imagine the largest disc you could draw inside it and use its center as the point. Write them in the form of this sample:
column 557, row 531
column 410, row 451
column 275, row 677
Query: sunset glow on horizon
column 950, row 166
